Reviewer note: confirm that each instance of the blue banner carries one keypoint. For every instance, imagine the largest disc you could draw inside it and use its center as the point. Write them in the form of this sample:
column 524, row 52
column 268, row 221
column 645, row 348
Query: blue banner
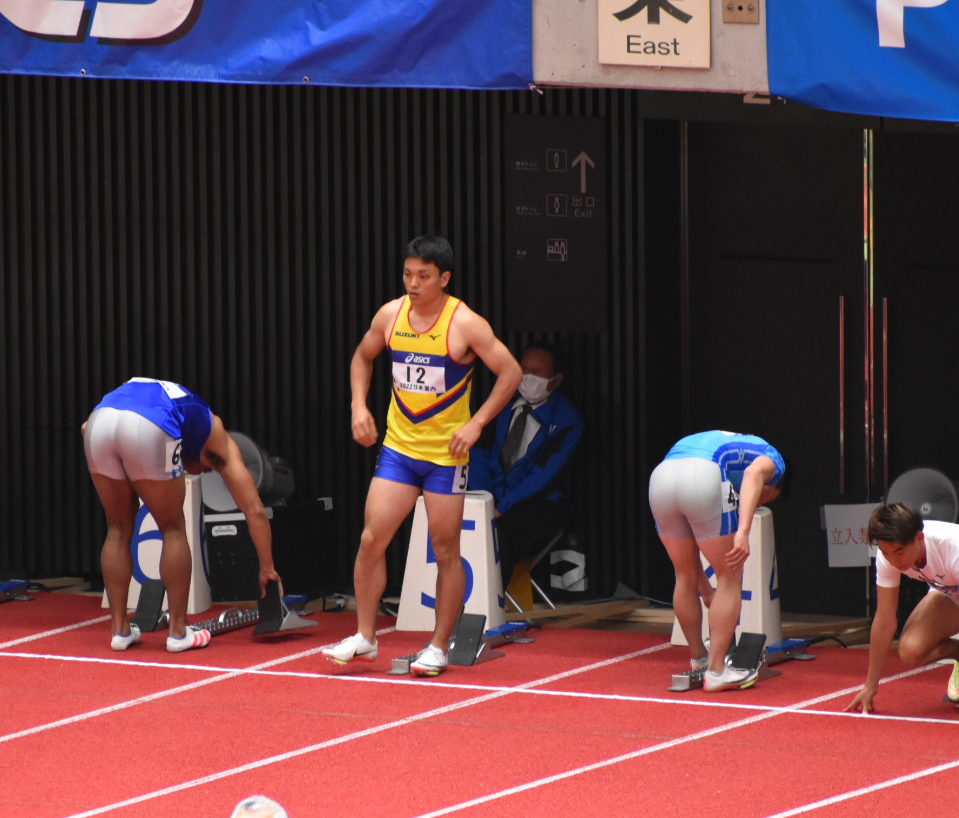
column 894, row 58
column 481, row 44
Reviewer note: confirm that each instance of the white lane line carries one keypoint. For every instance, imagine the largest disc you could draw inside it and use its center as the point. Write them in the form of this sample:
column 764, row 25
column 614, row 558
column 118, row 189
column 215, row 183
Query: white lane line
column 882, row 785
column 348, row 678
column 666, row 745
column 161, row 694
column 233, row 673
column 361, row 734
column 151, row 697
column 33, row 637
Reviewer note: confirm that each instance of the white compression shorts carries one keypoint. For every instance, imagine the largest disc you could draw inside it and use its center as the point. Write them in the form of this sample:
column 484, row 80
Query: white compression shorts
column 126, row 446
column 689, row 499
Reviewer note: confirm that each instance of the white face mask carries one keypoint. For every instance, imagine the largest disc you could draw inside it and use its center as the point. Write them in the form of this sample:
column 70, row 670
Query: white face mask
column 534, row 389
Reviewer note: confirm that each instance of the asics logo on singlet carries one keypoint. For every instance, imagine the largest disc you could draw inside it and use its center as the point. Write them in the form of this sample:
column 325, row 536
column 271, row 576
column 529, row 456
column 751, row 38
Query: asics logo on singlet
column 417, row 359
column 406, row 334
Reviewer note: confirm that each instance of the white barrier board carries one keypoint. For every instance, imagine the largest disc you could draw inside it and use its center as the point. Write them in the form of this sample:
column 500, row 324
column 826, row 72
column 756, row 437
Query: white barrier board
column 484, row 580
column 146, row 545
column 760, row 611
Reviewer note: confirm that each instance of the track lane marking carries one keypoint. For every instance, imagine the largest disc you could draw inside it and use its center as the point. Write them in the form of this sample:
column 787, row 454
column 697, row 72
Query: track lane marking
column 254, row 765
column 665, row 745
column 160, row 694
column 43, row 635
column 496, row 692
column 882, row 785
column 236, row 672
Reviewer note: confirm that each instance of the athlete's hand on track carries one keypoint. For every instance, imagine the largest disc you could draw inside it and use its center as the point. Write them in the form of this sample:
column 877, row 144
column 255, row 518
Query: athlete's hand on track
column 862, row 701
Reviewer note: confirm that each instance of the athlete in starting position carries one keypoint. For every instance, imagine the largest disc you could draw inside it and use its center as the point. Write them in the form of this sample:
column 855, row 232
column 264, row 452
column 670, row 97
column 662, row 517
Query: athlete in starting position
column 925, row 550
column 434, row 340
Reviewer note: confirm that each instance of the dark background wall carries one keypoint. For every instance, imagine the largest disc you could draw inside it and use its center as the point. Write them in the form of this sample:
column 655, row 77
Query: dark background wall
column 238, row 239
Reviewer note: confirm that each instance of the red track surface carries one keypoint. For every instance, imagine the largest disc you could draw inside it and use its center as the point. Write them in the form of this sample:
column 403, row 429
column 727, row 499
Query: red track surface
column 577, row 723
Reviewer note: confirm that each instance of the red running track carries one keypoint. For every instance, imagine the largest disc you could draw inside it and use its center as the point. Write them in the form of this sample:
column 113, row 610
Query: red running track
column 579, row 722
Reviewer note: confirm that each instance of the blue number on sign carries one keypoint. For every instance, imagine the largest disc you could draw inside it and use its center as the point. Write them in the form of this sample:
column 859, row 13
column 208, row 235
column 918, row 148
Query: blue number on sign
column 710, row 572
column 430, row 602
column 139, row 537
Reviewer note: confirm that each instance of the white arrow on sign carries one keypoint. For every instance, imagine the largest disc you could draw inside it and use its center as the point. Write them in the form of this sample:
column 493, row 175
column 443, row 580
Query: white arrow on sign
column 583, row 160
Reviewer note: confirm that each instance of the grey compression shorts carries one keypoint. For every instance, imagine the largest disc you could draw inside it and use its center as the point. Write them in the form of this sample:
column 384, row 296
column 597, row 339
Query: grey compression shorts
column 689, row 499
column 126, row 446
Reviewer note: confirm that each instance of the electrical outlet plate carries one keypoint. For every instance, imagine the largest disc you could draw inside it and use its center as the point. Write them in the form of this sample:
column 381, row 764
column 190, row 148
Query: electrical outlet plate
column 741, row 11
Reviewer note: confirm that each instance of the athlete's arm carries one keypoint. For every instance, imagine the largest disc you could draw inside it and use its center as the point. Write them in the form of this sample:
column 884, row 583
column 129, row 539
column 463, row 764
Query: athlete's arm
column 370, row 346
column 478, row 336
column 880, row 640
column 751, row 492
column 221, row 454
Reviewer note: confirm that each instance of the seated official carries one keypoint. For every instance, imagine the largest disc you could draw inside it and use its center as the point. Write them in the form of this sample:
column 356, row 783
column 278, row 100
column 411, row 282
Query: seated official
column 534, row 438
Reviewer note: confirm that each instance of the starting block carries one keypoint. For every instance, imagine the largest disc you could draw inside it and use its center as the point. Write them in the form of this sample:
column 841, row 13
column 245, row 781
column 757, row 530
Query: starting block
column 749, row 652
column 690, row 680
column 788, row 649
column 15, row 589
column 271, row 614
column 467, row 646
column 274, row 616
column 401, row 665
column 471, row 645
column 149, row 614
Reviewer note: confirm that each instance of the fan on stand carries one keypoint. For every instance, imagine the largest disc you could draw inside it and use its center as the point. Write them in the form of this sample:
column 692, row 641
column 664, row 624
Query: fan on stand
column 928, row 491
column 271, row 476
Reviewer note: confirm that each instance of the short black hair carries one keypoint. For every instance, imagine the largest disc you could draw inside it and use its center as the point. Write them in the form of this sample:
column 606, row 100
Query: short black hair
column 894, row 522
column 433, row 250
column 554, row 352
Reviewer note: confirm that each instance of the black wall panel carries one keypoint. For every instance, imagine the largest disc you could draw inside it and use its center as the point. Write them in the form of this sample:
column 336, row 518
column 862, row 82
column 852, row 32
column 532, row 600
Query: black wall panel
column 238, row 239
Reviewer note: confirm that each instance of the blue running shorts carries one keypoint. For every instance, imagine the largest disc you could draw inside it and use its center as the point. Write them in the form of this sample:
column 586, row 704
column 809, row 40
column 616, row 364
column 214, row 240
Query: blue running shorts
column 391, row 465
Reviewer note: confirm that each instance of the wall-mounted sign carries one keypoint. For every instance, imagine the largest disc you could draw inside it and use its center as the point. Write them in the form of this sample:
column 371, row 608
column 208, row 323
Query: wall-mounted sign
column 557, row 211
column 659, row 33
column 846, row 536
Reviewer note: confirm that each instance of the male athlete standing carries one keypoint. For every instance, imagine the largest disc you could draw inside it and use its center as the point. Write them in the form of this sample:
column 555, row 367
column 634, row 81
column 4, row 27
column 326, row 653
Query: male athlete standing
column 434, row 340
